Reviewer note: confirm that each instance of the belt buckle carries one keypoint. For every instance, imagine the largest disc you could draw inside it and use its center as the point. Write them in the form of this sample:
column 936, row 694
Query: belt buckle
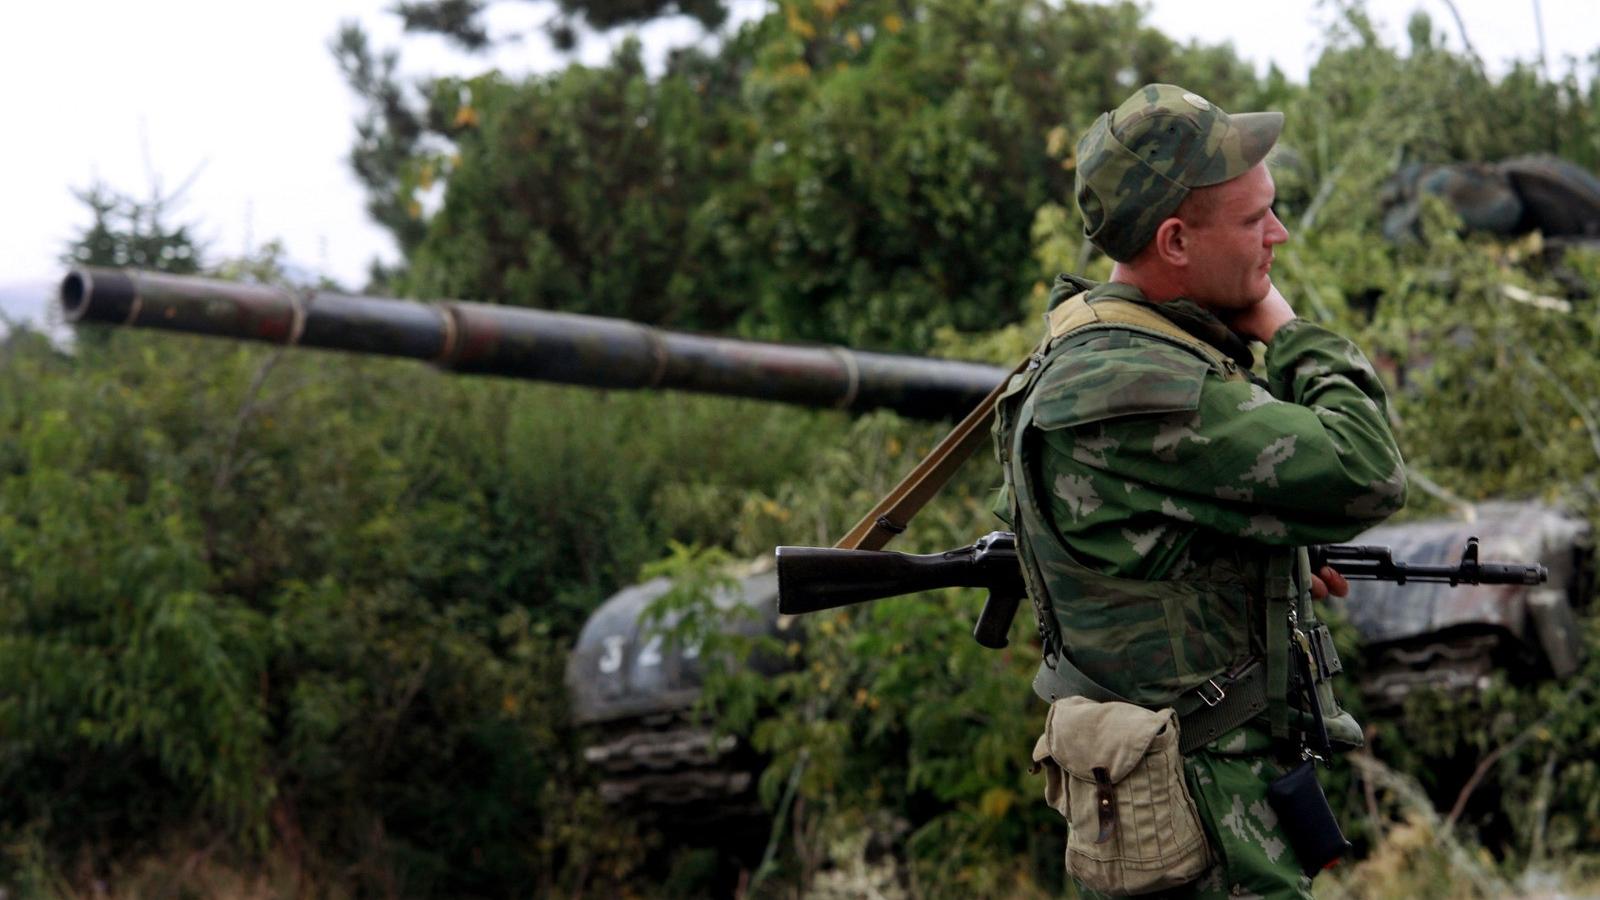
column 1209, row 701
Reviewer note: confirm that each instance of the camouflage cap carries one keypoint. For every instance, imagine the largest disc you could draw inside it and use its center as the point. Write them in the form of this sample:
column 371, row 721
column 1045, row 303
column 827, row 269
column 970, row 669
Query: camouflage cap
column 1138, row 162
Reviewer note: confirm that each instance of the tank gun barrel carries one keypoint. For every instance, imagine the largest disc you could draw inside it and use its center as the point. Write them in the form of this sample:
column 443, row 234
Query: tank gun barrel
column 518, row 342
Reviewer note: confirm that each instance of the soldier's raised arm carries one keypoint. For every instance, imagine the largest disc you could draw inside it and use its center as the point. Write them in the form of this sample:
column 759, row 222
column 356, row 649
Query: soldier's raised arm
column 1309, row 459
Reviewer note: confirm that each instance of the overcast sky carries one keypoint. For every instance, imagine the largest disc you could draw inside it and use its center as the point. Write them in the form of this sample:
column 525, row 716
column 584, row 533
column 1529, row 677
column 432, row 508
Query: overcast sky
column 245, row 99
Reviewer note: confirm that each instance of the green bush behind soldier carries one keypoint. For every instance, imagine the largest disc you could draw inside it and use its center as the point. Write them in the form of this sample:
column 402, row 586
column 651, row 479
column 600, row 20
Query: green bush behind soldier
column 1156, row 486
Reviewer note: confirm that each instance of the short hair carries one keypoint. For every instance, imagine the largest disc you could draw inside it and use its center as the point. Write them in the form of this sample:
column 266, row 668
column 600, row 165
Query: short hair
column 1197, row 209
column 1200, row 206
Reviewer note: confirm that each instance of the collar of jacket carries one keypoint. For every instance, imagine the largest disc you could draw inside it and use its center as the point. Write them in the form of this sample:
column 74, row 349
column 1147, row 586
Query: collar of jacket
column 1183, row 313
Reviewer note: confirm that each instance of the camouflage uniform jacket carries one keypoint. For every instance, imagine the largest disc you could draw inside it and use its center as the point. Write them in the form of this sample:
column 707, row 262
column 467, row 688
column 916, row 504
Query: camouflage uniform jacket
column 1166, row 478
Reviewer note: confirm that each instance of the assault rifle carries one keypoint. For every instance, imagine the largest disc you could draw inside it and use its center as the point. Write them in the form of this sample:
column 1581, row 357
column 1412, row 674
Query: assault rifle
column 812, row 579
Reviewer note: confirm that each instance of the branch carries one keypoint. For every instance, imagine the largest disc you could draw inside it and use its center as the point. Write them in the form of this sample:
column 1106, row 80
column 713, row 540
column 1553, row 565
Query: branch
column 1577, row 404
column 1538, row 301
column 1484, row 765
column 1538, row 25
column 1468, row 510
column 1466, row 42
column 1324, row 191
column 1498, row 752
column 248, row 407
column 1411, row 795
column 1541, row 808
column 768, row 863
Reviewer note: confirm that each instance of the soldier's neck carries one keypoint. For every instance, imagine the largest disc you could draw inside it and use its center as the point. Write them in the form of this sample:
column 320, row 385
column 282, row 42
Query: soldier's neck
column 1156, row 286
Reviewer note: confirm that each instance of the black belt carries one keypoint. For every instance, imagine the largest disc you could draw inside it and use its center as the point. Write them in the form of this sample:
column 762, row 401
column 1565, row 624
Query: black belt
column 1218, row 706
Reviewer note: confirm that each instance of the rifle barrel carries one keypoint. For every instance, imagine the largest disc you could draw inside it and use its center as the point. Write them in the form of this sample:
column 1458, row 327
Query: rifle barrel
column 1482, row 573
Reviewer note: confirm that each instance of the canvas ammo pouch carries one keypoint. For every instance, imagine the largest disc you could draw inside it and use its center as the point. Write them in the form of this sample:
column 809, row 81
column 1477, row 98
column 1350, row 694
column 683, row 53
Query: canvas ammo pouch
column 1114, row 771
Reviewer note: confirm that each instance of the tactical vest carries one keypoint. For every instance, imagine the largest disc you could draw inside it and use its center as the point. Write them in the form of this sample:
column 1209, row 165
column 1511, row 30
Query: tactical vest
column 1217, row 651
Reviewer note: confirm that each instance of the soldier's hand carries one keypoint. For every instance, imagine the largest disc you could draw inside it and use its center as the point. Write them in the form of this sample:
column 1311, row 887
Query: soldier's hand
column 1328, row 581
column 1263, row 320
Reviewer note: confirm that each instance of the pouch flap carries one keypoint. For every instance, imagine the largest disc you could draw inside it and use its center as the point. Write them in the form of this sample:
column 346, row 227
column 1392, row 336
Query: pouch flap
column 1041, row 747
column 1085, row 735
column 1087, row 387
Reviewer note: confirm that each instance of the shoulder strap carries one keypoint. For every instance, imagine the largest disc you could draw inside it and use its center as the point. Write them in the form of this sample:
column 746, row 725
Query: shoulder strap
column 1076, row 314
column 1281, row 594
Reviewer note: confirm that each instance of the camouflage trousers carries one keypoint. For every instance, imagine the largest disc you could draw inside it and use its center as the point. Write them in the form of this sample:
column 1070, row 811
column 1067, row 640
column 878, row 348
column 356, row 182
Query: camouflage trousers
column 1228, row 779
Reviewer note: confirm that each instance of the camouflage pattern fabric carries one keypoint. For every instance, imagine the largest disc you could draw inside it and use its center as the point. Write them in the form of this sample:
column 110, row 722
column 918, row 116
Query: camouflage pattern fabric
column 1169, row 482
column 1138, row 162
column 1150, row 488
column 1193, row 462
column 1253, row 859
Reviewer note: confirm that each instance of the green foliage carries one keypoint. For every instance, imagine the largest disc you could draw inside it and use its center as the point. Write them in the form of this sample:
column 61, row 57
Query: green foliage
column 457, row 20
column 1366, row 108
column 898, row 709
column 325, row 603
column 904, row 157
column 838, row 172
column 702, row 611
column 604, row 168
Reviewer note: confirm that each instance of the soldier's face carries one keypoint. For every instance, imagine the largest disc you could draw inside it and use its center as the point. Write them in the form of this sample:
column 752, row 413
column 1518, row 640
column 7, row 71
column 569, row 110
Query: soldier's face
column 1231, row 241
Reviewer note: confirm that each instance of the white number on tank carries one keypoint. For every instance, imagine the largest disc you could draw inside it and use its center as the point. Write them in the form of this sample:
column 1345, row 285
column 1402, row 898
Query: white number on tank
column 611, row 662
column 650, row 653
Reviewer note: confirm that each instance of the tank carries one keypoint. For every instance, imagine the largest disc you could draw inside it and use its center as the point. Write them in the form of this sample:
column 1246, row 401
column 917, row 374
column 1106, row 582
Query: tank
column 1515, row 196
column 1451, row 638
column 518, row 342
column 635, row 691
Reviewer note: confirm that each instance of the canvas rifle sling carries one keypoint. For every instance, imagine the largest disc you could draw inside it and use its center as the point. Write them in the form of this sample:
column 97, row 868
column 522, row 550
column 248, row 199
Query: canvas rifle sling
column 894, row 512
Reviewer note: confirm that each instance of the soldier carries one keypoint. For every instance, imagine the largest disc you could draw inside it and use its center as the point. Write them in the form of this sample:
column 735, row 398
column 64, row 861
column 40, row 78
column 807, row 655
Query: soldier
column 1160, row 493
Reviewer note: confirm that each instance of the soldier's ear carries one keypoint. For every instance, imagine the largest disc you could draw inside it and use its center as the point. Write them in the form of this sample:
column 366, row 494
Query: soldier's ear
column 1171, row 243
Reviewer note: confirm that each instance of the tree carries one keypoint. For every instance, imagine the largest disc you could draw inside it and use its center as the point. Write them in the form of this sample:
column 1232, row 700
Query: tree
column 134, row 233
column 865, row 173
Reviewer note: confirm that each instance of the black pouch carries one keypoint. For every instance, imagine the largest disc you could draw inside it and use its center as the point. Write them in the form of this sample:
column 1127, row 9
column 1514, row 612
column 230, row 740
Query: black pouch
column 1307, row 819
